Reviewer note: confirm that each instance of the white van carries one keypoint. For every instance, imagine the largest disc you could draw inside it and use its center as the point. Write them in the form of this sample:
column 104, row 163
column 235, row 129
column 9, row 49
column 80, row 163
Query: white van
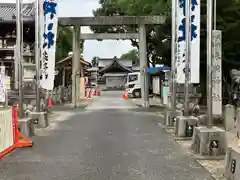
column 133, row 84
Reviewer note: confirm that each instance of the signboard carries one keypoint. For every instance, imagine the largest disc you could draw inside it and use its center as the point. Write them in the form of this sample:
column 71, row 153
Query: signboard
column 156, row 84
column 165, row 93
column 48, row 32
column 2, row 90
column 217, row 72
column 2, row 70
column 181, row 41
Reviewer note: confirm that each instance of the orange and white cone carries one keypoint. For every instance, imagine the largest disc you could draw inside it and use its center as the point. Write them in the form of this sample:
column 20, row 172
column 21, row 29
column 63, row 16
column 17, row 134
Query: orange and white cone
column 89, row 94
column 99, row 92
column 123, row 95
column 50, row 102
column 126, row 95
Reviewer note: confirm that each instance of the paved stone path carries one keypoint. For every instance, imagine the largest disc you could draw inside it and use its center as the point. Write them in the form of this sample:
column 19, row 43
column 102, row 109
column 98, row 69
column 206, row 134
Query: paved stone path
column 104, row 142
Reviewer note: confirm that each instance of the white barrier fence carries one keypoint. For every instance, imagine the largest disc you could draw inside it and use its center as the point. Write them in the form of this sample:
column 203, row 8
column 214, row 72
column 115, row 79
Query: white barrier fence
column 156, row 85
column 6, row 130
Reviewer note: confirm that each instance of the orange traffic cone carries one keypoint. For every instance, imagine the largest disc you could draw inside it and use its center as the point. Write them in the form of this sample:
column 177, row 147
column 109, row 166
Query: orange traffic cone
column 95, row 93
column 99, row 92
column 89, row 94
column 126, row 94
column 50, row 101
column 123, row 95
column 85, row 92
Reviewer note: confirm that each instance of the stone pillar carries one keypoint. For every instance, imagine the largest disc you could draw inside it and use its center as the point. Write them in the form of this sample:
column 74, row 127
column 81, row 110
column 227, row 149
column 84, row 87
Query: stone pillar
column 76, row 65
column 63, row 77
column 229, row 116
column 143, row 64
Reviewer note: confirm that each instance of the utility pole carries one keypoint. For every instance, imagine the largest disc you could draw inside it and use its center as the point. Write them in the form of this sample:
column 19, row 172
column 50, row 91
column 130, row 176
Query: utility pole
column 173, row 54
column 37, row 55
column 209, row 62
column 215, row 15
column 187, row 55
column 19, row 56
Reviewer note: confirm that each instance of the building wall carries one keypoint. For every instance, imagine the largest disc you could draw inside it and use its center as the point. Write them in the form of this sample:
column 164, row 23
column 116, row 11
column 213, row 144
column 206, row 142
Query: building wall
column 115, row 81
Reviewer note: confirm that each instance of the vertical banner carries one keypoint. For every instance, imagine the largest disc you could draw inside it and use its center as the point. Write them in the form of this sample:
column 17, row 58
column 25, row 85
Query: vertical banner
column 217, row 72
column 48, row 36
column 181, row 41
column 2, row 89
column 2, row 84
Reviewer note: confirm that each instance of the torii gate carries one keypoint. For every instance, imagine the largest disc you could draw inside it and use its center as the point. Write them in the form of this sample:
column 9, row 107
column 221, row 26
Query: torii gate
column 77, row 22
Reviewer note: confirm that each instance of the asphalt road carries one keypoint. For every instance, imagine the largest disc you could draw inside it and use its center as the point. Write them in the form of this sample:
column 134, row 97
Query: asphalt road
column 104, row 142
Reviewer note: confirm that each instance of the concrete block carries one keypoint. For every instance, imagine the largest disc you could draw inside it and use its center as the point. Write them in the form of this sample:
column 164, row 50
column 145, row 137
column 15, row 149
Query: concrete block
column 238, row 118
column 179, row 105
column 202, row 120
column 229, row 116
column 40, row 119
column 185, row 126
column 170, row 117
column 26, row 127
column 232, row 165
column 209, row 142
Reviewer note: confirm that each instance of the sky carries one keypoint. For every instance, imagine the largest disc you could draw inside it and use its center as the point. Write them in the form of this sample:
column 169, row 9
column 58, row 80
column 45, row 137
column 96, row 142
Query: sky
column 83, row 8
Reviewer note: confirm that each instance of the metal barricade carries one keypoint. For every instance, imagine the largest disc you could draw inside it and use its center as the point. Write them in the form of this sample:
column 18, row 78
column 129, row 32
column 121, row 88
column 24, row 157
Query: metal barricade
column 6, row 131
column 10, row 137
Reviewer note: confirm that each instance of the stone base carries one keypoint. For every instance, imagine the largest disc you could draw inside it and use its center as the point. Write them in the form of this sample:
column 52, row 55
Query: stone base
column 202, row 120
column 232, row 166
column 78, row 105
column 209, row 142
column 40, row 119
column 170, row 117
column 26, row 127
column 146, row 104
column 185, row 126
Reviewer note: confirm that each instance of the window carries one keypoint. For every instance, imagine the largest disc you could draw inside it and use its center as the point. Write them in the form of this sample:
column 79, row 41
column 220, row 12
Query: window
column 132, row 78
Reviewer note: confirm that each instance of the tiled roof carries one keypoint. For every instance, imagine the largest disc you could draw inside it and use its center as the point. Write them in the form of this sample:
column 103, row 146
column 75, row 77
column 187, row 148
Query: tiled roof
column 106, row 61
column 115, row 63
column 8, row 12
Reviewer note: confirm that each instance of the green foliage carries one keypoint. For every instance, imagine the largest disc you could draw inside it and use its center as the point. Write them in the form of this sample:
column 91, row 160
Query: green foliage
column 155, row 34
column 95, row 61
column 131, row 55
column 228, row 21
column 64, row 42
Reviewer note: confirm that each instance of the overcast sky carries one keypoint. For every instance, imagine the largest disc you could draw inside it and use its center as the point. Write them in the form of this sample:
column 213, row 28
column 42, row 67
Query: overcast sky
column 104, row 49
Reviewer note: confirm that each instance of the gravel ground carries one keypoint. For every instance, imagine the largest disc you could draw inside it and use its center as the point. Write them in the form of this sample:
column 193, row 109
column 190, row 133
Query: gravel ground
column 106, row 141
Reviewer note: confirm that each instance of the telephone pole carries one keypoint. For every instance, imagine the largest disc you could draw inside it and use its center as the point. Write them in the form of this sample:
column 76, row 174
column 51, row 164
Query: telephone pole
column 173, row 54
column 19, row 56
column 187, row 56
column 37, row 55
column 209, row 62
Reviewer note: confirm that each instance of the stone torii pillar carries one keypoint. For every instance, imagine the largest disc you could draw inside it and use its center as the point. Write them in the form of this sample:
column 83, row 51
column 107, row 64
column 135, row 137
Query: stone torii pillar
column 76, row 65
column 143, row 64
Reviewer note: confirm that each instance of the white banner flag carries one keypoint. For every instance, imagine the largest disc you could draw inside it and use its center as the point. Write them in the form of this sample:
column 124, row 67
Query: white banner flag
column 48, row 36
column 181, row 41
column 2, row 89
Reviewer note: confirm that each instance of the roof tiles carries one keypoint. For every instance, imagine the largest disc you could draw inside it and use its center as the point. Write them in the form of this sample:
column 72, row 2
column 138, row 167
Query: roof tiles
column 8, row 12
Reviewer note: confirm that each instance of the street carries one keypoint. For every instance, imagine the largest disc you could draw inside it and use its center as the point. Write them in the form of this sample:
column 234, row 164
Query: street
column 110, row 140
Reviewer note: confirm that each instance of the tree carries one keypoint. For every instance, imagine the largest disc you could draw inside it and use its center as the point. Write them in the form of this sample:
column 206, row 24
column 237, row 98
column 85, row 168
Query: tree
column 131, row 55
column 155, row 34
column 95, row 61
column 64, row 42
column 228, row 15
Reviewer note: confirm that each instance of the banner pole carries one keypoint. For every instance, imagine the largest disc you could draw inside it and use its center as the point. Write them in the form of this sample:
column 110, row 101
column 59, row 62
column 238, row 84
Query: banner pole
column 37, row 57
